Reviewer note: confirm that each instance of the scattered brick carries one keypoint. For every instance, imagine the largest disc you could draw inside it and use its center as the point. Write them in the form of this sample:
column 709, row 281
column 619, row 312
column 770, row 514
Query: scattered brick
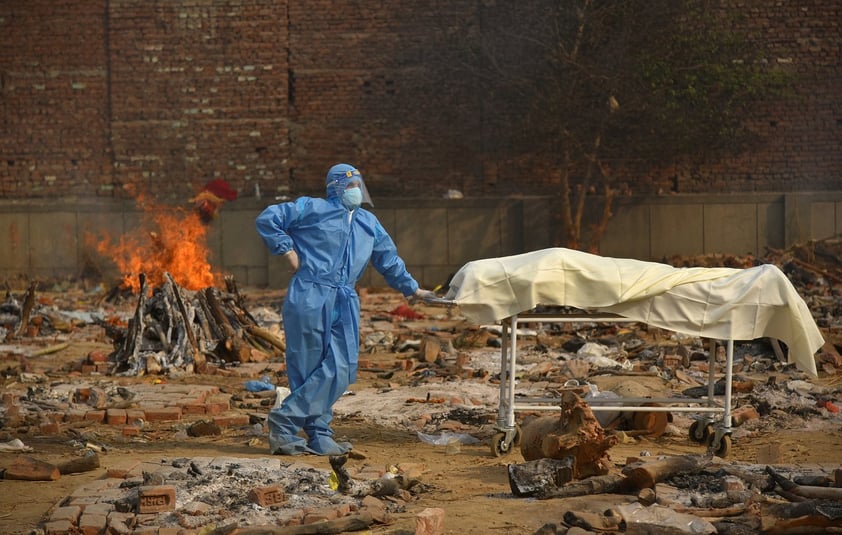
column 115, row 416
column 155, row 499
column 266, row 496
column 95, row 416
column 91, row 524
column 430, row 521
column 58, row 527
column 70, row 513
column 233, row 420
column 163, row 414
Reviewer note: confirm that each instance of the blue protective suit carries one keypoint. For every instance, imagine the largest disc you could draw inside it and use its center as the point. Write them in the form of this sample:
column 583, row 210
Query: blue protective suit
column 321, row 310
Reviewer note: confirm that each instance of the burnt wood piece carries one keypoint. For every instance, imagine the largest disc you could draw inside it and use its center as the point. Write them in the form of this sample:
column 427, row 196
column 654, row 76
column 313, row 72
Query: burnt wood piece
column 541, row 475
column 805, row 491
column 645, row 475
column 807, row 517
column 607, row 484
column 26, row 309
column 186, row 321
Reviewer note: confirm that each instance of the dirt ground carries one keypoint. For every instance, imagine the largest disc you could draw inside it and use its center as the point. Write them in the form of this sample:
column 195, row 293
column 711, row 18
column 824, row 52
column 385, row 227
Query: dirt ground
column 470, row 484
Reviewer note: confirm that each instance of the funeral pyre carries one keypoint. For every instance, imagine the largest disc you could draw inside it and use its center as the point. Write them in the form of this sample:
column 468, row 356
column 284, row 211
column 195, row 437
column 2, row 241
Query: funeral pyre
column 174, row 329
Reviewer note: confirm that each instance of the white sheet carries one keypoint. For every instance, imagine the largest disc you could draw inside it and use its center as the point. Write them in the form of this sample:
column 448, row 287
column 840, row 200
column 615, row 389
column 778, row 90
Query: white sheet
column 719, row 303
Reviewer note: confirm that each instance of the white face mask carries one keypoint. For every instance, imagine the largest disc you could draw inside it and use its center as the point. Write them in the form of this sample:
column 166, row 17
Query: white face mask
column 352, row 198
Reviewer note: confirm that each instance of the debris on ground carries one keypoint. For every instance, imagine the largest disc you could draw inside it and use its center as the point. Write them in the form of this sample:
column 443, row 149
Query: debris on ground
column 434, row 377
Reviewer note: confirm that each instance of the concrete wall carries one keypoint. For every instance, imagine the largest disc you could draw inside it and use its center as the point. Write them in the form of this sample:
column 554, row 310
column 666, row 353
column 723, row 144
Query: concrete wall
column 42, row 240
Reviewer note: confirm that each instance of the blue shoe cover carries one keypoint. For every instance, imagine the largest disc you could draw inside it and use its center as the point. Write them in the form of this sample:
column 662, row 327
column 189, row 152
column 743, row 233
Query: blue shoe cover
column 286, row 445
column 325, row 445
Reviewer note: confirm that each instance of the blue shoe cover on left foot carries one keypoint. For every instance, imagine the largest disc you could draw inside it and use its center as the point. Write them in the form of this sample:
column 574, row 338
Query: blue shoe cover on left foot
column 325, row 445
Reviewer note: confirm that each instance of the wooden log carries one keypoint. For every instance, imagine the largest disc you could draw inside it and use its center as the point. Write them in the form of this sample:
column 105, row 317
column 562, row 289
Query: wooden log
column 645, row 475
column 533, row 477
column 356, row 522
column 574, row 432
column 793, row 518
column 83, row 463
column 26, row 309
column 31, row 469
column 811, row 492
column 130, row 350
column 263, row 334
column 232, row 343
column 198, row 356
column 607, row 484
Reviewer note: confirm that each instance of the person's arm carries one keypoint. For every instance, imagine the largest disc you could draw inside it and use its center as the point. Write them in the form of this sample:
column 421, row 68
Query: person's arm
column 385, row 260
column 272, row 225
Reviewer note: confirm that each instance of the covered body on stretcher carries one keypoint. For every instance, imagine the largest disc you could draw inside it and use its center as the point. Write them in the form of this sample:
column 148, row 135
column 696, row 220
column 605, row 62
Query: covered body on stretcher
column 715, row 303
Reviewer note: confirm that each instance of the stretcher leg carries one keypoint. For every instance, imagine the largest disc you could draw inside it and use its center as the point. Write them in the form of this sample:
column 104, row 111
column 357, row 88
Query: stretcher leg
column 508, row 432
column 720, row 442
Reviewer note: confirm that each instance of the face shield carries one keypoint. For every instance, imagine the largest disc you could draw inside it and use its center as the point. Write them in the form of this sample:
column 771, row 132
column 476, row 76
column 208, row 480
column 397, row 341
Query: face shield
column 342, row 176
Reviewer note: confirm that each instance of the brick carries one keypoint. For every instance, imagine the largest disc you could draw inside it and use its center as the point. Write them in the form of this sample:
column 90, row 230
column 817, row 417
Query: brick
column 322, row 514
column 74, row 415
column 193, row 408
column 95, row 416
column 97, row 355
column 122, row 470
column 266, row 496
column 135, row 415
column 233, row 420
column 49, row 428
column 58, row 527
column 163, row 414
column 155, row 499
column 71, row 513
column 98, row 509
column 430, row 521
column 118, row 523
column 91, row 524
column 115, row 416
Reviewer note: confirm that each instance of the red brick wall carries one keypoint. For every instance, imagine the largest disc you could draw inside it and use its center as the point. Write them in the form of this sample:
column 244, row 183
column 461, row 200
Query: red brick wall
column 98, row 94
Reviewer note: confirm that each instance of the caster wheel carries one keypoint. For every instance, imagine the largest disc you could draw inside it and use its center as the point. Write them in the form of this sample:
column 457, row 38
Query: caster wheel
column 700, row 431
column 723, row 449
column 499, row 446
column 517, row 437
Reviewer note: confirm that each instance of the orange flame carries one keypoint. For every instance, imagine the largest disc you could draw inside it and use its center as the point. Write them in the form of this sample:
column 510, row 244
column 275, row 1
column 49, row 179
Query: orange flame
column 169, row 240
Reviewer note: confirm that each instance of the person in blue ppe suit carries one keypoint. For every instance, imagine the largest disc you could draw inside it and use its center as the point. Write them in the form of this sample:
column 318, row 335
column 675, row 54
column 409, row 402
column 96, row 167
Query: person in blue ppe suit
column 328, row 243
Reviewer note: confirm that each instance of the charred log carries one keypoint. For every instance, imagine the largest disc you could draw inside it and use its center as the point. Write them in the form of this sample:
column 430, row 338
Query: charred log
column 175, row 329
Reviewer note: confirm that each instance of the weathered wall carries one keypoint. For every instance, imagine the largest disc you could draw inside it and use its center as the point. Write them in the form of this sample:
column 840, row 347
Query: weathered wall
column 42, row 240
column 267, row 94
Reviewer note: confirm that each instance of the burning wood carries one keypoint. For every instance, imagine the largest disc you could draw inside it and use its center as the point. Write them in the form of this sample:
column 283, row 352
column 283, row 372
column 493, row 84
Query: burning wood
column 178, row 329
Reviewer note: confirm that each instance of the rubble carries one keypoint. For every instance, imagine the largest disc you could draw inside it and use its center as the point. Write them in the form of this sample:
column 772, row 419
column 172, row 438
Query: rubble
column 429, row 377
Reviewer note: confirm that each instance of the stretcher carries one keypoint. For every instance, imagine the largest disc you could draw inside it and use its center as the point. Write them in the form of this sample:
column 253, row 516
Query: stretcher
column 718, row 304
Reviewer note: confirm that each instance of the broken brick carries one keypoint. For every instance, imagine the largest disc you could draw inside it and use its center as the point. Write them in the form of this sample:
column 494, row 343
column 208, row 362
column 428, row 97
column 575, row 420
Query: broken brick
column 430, row 521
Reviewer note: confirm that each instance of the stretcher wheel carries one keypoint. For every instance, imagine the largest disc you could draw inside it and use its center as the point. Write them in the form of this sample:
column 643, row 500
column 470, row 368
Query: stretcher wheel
column 499, row 447
column 517, row 437
column 700, row 431
column 723, row 449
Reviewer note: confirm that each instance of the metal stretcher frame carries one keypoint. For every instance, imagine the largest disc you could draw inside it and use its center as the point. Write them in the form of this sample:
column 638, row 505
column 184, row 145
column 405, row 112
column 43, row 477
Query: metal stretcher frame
column 718, row 437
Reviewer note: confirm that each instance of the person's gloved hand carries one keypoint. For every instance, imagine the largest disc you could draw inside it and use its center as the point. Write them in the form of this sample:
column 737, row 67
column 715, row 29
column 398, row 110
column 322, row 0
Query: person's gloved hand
column 423, row 295
column 292, row 259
